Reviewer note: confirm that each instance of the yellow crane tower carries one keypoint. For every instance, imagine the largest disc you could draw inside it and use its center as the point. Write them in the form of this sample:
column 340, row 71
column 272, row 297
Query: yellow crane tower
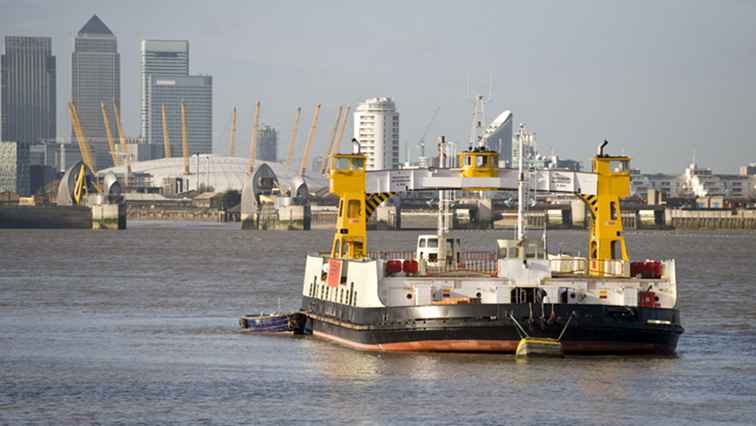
column 332, row 140
column 253, row 140
column 293, row 142
column 81, row 138
column 310, row 138
column 166, row 137
column 109, row 134
column 185, row 140
column 232, row 136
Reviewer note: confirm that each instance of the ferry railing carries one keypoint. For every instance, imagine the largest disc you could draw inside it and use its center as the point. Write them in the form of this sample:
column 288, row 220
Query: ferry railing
column 481, row 262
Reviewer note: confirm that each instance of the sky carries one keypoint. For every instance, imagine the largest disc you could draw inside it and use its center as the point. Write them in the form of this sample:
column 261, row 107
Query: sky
column 663, row 81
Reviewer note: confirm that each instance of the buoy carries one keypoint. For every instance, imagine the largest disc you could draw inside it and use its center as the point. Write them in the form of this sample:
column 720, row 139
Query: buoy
column 542, row 347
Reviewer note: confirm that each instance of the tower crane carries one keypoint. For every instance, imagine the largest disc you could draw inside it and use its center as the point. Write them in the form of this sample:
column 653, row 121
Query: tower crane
column 232, row 136
column 310, row 138
column 253, row 140
column 293, row 142
column 185, row 140
column 166, row 137
column 109, row 134
column 421, row 142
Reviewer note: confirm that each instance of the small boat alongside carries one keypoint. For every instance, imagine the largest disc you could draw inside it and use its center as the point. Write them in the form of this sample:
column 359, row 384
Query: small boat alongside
column 272, row 323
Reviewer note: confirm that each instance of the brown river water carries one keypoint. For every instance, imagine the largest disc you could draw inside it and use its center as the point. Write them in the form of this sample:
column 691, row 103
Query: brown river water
column 140, row 327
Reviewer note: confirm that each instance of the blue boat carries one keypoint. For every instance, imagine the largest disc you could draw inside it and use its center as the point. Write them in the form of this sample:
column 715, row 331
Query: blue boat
column 268, row 323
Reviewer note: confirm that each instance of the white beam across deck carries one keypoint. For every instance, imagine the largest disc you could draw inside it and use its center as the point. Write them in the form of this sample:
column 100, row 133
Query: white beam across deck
column 405, row 180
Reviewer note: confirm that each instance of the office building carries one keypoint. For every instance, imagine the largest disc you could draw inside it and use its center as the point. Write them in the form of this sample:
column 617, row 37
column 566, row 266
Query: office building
column 267, row 144
column 196, row 93
column 376, row 127
column 160, row 58
column 28, row 90
column 95, row 79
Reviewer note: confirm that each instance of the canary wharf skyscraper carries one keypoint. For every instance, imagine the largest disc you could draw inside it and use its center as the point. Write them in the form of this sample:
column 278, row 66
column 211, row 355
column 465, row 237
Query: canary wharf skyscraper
column 95, row 79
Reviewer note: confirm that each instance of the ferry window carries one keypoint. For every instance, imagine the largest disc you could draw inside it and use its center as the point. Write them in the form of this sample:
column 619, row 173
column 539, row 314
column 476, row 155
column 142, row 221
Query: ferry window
column 354, row 301
column 468, row 161
column 480, row 161
column 618, row 166
column 514, row 252
column 615, row 247
column 341, row 207
column 433, row 242
column 422, row 243
column 358, row 163
column 342, row 163
column 353, row 208
column 613, row 210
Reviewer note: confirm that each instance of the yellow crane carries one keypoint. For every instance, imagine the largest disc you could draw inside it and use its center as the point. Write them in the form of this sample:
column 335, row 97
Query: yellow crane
column 166, row 137
column 80, row 184
column 293, row 142
column 109, row 134
column 185, row 140
column 332, row 139
column 253, row 140
column 310, row 138
column 232, row 136
column 81, row 138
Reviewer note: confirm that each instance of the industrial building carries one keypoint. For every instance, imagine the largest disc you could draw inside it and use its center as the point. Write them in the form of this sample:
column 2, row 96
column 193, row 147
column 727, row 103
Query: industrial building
column 28, row 90
column 14, row 168
column 376, row 126
column 96, row 79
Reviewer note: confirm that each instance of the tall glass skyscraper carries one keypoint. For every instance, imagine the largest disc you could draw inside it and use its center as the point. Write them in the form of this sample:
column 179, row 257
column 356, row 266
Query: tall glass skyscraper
column 160, row 58
column 28, row 86
column 196, row 93
column 96, row 78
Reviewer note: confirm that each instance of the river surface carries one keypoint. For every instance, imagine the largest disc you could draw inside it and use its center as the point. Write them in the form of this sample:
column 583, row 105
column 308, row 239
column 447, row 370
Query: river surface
column 140, row 327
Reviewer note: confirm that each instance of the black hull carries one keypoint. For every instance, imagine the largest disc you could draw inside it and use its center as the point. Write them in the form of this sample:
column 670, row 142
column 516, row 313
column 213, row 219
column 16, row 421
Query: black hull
column 593, row 329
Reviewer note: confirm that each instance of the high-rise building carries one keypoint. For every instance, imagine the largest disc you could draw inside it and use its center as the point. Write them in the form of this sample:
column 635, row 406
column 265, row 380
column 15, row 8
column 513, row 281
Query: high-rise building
column 14, row 168
column 267, row 144
column 95, row 79
column 376, row 127
column 160, row 58
column 196, row 93
column 498, row 137
column 28, row 86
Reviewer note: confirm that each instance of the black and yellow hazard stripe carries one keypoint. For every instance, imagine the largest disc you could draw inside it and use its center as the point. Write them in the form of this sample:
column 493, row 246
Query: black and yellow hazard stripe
column 592, row 201
column 374, row 200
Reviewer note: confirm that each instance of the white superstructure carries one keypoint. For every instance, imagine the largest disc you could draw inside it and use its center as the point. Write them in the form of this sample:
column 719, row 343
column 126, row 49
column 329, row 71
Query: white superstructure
column 376, row 126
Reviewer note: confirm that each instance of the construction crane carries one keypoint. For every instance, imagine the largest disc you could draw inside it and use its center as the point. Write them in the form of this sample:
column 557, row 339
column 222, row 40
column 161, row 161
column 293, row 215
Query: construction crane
column 293, row 142
column 308, row 144
column 421, row 142
column 166, row 137
column 253, row 140
column 232, row 136
column 332, row 139
column 185, row 140
column 109, row 134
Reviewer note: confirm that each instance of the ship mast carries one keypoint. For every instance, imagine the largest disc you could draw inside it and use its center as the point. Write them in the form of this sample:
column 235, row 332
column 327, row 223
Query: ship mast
column 520, row 185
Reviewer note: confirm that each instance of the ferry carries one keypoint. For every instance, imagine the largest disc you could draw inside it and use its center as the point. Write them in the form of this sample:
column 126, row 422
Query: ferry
column 439, row 297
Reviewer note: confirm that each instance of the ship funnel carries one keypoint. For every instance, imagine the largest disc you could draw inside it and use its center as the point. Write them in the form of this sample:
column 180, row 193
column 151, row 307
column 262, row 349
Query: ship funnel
column 601, row 148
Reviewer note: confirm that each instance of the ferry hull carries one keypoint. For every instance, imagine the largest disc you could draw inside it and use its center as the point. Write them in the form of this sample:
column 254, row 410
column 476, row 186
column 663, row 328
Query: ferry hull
column 594, row 329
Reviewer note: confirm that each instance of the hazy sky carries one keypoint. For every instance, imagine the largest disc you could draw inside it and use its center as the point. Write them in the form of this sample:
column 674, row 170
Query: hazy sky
column 659, row 79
